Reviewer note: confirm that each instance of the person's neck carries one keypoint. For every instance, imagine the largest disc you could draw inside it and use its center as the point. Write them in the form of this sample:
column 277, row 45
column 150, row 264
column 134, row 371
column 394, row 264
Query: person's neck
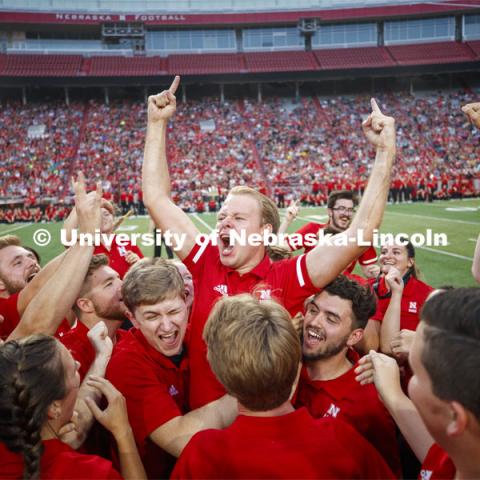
column 465, row 454
column 283, row 409
column 329, row 368
column 50, row 430
column 249, row 266
column 112, row 325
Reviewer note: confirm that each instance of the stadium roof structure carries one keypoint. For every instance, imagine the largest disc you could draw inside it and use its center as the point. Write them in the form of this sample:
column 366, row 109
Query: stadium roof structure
column 234, row 12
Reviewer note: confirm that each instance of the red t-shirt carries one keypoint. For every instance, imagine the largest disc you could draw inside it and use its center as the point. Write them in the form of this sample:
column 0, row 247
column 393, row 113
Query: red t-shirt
column 80, row 347
column 116, row 255
column 58, row 461
column 288, row 446
column 286, row 281
column 155, row 390
column 344, row 398
column 368, row 257
column 437, row 465
column 414, row 295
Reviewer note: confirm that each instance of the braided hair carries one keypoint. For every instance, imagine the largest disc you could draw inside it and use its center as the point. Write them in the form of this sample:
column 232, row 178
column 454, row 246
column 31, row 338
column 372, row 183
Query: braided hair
column 31, row 378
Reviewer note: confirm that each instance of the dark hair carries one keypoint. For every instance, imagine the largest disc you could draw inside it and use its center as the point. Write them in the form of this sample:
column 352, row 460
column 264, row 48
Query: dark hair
column 31, row 378
column 364, row 303
column 35, row 253
column 340, row 195
column 451, row 352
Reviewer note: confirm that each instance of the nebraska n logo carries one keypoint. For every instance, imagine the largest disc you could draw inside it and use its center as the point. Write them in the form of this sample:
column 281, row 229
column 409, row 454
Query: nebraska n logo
column 332, row 411
column 221, row 289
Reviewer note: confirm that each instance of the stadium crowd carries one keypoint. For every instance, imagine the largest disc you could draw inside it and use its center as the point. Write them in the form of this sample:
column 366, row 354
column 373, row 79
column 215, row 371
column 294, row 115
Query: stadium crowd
column 234, row 361
column 274, row 146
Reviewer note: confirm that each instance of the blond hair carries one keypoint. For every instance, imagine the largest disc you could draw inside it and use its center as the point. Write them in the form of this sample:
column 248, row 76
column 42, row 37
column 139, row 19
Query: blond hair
column 150, row 281
column 254, row 350
column 10, row 240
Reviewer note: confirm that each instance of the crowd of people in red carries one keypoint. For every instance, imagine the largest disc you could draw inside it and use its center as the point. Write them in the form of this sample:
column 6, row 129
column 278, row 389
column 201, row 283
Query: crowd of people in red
column 300, row 150
column 230, row 362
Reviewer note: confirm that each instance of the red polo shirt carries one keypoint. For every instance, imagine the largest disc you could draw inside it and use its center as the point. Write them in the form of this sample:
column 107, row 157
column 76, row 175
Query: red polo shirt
column 11, row 317
column 344, row 398
column 155, row 390
column 81, row 348
column 286, row 281
column 288, row 446
column 116, row 255
column 9, row 312
column 414, row 295
column 368, row 257
column 437, row 465
column 58, row 461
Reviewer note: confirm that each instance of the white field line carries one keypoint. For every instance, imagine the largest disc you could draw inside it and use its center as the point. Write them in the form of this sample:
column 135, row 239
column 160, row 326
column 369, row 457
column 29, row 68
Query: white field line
column 450, row 254
column 438, row 219
column 203, row 222
column 4, row 232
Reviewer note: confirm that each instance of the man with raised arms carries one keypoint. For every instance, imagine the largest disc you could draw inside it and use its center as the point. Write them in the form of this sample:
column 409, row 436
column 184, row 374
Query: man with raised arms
column 229, row 270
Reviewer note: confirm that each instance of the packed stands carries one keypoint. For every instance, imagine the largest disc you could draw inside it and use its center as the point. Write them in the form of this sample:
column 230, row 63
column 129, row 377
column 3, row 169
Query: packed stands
column 303, row 149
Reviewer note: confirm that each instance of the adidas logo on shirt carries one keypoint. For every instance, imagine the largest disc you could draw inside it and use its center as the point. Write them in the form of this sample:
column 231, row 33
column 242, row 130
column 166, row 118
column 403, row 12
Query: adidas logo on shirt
column 425, row 474
column 172, row 391
column 221, row 289
column 412, row 307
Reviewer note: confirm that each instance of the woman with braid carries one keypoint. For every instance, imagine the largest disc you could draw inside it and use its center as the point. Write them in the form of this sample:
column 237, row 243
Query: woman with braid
column 39, row 384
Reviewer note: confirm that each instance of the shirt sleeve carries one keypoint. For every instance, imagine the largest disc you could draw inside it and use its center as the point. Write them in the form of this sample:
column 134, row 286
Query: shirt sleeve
column 368, row 257
column 295, row 283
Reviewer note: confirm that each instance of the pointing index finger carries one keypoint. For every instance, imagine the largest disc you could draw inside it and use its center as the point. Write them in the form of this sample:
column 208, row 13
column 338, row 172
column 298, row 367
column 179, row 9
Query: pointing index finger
column 375, row 108
column 174, row 85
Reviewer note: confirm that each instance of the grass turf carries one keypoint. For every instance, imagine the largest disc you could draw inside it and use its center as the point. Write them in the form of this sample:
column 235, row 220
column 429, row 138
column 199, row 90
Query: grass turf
column 447, row 265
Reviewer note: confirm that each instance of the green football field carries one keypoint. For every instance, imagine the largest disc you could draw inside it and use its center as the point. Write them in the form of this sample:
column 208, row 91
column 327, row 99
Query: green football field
column 459, row 220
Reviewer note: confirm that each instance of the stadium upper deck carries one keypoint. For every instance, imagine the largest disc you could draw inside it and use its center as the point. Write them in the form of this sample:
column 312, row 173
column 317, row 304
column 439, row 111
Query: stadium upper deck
column 50, row 41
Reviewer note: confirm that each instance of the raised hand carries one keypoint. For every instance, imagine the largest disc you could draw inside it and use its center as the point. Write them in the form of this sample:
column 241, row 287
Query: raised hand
column 115, row 417
column 101, row 342
column 162, row 106
column 472, row 111
column 394, row 280
column 131, row 258
column 379, row 129
column 292, row 211
column 383, row 371
column 402, row 344
column 87, row 206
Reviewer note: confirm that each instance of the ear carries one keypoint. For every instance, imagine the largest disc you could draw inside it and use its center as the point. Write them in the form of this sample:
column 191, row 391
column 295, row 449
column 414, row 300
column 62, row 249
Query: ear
column 132, row 318
column 85, row 305
column 355, row 337
column 54, row 410
column 410, row 262
column 459, row 420
column 268, row 227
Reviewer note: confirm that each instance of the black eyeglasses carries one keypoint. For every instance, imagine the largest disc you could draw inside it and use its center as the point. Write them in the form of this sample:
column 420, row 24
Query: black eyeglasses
column 350, row 211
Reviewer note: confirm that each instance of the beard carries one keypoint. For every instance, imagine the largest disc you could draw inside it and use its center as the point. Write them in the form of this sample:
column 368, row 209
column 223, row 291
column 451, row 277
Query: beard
column 111, row 312
column 13, row 287
column 328, row 351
